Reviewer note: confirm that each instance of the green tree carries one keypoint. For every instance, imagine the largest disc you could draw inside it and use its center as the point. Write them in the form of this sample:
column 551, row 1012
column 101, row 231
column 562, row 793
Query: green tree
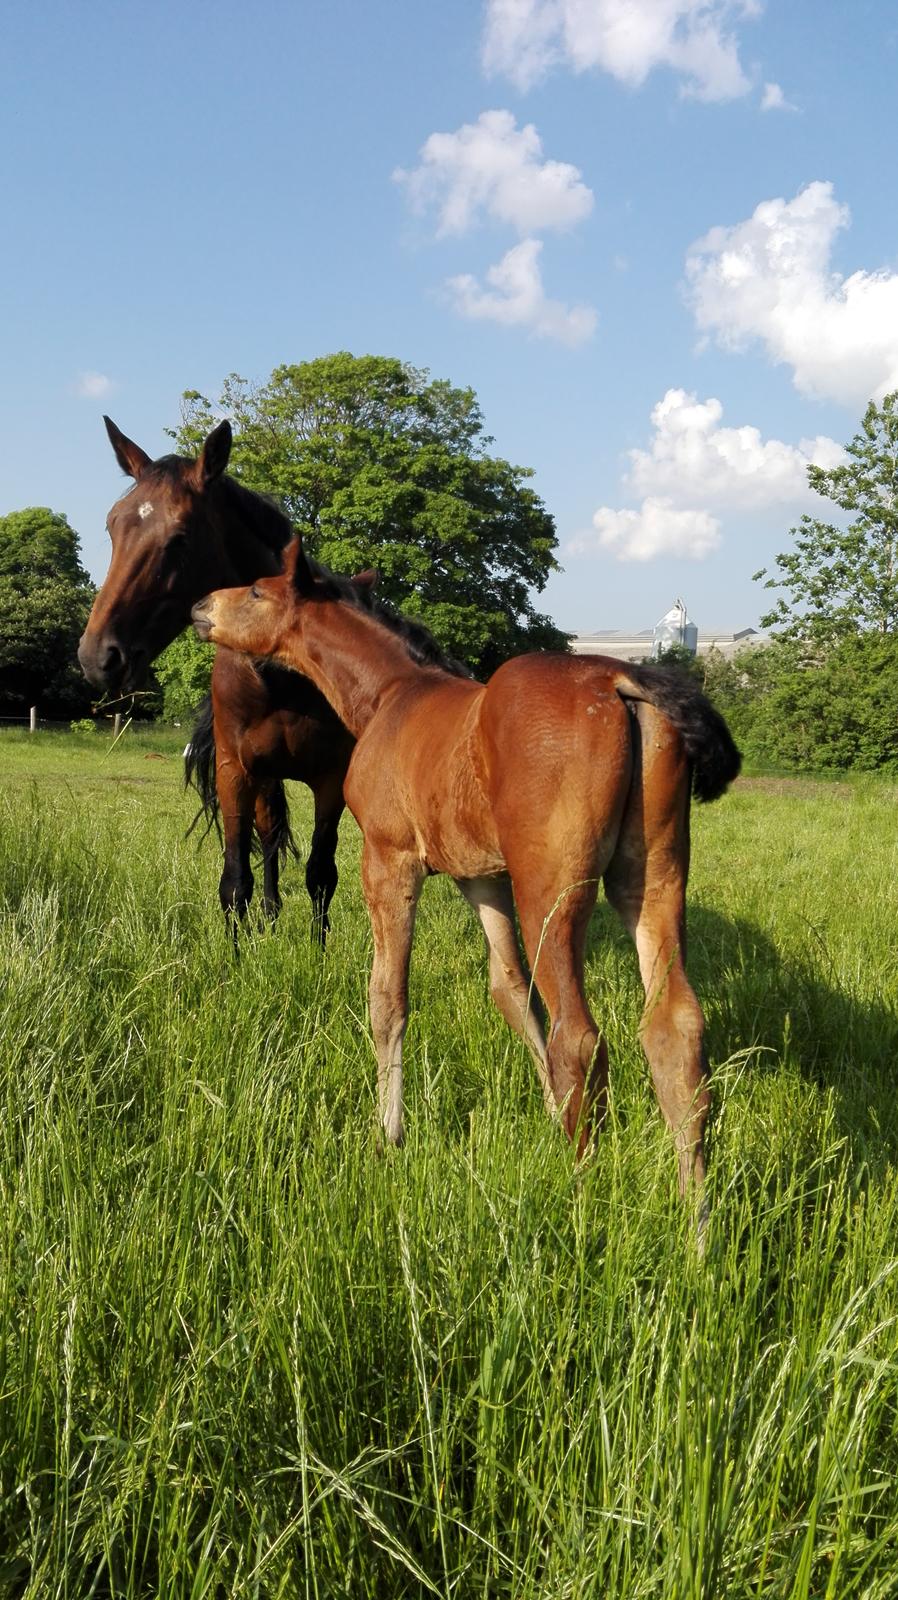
column 182, row 672
column 45, row 598
column 678, row 655
column 841, row 580
column 378, row 465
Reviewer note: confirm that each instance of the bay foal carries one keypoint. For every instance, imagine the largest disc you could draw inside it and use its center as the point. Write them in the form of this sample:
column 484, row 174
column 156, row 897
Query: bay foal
column 557, row 773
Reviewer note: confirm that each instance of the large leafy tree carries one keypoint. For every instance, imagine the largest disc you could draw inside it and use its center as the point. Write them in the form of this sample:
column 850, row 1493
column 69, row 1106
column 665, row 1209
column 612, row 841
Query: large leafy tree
column 378, row 465
column 842, row 579
column 45, row 598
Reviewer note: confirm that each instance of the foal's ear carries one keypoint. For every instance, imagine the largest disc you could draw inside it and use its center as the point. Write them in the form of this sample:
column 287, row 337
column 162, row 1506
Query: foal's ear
column 129, row 455
column 297, row 568
column 366, row 582
column 213, row 458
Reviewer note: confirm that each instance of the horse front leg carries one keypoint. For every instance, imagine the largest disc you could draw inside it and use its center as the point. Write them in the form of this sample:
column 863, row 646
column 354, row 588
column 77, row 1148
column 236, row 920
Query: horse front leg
column 392, row 883
column 321, row 867
column 236, row 798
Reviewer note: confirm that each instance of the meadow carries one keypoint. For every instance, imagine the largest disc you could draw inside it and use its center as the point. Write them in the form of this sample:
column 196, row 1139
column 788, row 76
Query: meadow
column 244, row 1354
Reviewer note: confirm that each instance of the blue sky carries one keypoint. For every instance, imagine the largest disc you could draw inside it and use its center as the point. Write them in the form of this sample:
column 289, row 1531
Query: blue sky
column 658, row 237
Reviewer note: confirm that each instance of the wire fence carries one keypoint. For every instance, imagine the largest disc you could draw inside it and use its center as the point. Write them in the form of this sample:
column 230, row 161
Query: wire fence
column 107, row 726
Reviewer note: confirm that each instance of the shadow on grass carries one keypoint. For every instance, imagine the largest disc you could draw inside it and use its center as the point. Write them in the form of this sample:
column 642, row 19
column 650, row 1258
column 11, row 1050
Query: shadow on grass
column 792, row 1011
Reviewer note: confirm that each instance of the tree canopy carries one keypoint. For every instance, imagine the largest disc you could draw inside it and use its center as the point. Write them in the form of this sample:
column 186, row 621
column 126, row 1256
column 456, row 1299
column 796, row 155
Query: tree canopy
column 182, row 672
column 377, row 464
column 45, row 598
column 842, row 580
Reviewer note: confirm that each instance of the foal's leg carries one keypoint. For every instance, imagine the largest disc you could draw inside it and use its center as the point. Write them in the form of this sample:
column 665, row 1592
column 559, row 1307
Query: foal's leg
column 510, row 984
column 270, row 809
column 392, row 883
column 321, row 867
column 555, row 911
column 646, row 884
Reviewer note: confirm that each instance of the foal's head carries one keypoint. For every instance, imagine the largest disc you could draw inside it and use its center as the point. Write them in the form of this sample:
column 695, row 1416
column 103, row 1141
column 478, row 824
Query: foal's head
column 265, row 619
column 260, row 618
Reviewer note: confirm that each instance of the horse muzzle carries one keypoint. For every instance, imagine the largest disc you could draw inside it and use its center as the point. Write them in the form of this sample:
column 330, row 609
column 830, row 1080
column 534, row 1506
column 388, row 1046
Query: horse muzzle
column 201, row 618
column 108, row 665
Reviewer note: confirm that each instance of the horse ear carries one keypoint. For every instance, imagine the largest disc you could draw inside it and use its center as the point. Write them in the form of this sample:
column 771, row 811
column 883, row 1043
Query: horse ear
column 297, row 567
column 213, row 458
column 366, row 581
column 129, row 455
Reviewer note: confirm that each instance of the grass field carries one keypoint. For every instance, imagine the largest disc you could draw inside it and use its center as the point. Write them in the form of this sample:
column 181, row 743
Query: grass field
column 242, row 1354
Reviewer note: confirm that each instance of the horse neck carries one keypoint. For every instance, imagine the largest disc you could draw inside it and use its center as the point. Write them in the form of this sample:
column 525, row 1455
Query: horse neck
column 352, row 658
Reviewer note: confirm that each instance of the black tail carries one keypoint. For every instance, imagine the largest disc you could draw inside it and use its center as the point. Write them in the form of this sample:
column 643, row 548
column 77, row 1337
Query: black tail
column 199, row 772
column 709, row 744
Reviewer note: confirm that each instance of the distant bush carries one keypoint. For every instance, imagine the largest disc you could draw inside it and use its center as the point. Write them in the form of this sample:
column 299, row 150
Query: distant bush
column 83, row 725
column 837, row 708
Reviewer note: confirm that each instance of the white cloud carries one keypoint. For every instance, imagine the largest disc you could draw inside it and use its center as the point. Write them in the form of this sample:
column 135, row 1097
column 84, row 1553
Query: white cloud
column 491, row 167
column 773, row 99
column 658, row 528
column 769, row 278
column 694, row 460
column 694, row 467
column 93, row 385
column 516, row 298
column 524, row 39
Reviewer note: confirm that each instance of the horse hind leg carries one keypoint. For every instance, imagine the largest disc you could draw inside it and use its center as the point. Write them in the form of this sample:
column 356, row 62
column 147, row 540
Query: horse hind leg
column 646, row 884
column 321, row 867
column 554, row 916
column 511, row 988
column 273, row 829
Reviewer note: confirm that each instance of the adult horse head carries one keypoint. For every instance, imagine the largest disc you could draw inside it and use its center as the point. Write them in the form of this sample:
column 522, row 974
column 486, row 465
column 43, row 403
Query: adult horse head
column 182, row 526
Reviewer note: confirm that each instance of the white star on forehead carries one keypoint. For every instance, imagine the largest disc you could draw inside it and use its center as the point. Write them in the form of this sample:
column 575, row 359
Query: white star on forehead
column 144, row 511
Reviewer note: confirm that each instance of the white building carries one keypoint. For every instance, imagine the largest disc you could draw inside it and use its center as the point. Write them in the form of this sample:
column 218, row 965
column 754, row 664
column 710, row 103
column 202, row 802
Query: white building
column 673, row 628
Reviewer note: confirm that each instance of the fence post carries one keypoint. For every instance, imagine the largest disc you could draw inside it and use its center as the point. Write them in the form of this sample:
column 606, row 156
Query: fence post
column 32, row 720
column 117, row 725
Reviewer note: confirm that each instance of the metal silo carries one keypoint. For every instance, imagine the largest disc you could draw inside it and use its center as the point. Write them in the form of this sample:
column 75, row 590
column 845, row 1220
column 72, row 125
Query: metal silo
column 674, row 629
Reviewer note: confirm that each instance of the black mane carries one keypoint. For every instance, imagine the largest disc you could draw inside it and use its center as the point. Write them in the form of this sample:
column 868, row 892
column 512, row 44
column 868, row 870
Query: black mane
column 418, row 640
column 247, row 509
column 263, row 515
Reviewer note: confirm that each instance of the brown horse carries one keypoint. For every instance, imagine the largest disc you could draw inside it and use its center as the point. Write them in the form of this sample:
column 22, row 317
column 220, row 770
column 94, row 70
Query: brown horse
column 186, row 527
column 557, row 773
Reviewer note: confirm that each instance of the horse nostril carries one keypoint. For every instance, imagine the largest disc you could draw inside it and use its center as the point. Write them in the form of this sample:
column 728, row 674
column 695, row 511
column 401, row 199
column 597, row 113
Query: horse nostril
column 110, row 659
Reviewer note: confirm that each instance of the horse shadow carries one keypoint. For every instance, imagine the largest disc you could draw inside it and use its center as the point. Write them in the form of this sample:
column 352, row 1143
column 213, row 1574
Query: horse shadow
column 779, row 1009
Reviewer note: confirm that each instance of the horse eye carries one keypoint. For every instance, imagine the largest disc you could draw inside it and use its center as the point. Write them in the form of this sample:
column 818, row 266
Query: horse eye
column 255, row 593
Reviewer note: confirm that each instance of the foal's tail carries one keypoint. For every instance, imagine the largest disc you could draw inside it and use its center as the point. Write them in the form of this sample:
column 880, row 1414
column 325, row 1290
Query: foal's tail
column 713, row 756
column 199, row 773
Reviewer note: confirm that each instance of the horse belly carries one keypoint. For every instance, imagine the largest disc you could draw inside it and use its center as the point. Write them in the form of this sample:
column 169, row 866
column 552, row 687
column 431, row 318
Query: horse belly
column 454, row 822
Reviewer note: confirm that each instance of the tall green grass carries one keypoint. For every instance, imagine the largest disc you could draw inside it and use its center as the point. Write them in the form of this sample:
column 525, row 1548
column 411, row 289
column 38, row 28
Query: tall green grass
column 242, row 1354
